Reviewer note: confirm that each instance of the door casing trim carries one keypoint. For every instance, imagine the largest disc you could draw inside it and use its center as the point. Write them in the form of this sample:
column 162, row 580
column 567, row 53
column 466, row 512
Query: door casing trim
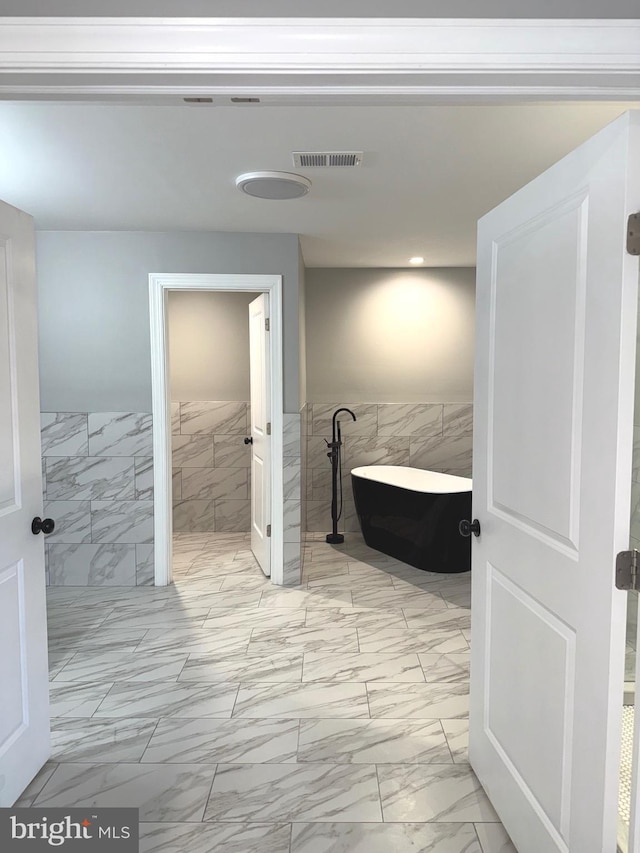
column 366, row 59
column 159, row 287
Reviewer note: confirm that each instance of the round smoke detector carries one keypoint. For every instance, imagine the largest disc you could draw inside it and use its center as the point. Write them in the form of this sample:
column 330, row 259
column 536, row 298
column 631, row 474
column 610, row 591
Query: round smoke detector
column 273, row 185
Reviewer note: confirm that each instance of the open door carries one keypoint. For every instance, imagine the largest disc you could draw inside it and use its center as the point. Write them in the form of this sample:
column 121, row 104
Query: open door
column 554, row 393
column 260, row 437
column 24, row 681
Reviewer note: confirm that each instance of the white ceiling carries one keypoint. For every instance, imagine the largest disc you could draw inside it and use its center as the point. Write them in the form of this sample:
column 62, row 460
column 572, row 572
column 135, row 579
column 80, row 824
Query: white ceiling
column 430, row 171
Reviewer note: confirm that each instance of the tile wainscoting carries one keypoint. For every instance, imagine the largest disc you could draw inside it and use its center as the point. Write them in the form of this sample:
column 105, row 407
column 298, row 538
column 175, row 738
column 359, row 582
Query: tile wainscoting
column 305, row 420
column 212, row 475
column 292, row 506
column 433, row 436
column 211, row 467
column 97, row 474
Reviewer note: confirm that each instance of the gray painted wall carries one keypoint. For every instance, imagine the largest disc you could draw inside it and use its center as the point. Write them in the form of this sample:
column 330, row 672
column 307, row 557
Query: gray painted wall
column 390, row 336
column 302, row 319
column 209, row 345
column 331, row 8
column 94, row 308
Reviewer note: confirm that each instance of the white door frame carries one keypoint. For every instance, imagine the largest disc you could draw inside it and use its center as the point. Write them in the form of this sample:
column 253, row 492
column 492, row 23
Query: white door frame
column 159, row 287
column 327, row 60
column 357, row 60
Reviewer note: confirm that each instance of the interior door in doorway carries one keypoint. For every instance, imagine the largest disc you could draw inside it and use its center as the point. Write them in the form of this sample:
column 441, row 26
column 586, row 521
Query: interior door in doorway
column 24, row 682
column 554, row 389
column 260, row 417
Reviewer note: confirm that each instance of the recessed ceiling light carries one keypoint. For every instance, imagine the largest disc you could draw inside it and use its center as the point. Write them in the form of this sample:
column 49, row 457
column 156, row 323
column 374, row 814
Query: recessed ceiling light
column 273, row 185
column 416, row 260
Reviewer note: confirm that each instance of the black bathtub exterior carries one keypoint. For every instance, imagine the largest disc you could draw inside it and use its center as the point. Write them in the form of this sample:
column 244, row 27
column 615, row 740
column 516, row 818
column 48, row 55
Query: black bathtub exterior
column 419, row 528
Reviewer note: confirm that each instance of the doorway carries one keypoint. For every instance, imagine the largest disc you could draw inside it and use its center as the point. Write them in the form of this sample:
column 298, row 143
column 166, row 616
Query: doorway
column 599, row 56
column 194, row 416
column 213, row 449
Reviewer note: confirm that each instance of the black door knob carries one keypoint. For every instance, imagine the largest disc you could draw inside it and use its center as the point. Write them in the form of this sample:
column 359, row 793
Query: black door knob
column 466, row 528
column 248, row 440
column 42, row 525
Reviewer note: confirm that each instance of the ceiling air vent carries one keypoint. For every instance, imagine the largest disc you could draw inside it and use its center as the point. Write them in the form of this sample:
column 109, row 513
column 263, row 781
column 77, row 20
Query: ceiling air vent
column 323, row 159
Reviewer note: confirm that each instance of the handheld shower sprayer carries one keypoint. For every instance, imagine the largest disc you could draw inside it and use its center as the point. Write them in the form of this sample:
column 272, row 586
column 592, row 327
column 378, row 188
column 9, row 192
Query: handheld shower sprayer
column 335, row 456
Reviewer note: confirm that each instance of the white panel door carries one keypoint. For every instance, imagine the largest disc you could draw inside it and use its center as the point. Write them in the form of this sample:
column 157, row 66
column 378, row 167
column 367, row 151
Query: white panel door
column 260, row 431
column 24, row 684
column 554, row 388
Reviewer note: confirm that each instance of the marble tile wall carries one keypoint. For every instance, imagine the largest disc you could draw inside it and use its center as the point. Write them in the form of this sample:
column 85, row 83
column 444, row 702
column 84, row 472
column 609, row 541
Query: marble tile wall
column 211, row 467
column 97, row 473
column 433, row 436
column 292, row 506
column 211, row 474
column 98, row 487
column 305, row 419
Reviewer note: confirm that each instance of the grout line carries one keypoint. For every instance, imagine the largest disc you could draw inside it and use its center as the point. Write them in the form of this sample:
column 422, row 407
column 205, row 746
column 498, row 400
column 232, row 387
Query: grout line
column 144, row 751
column 239, row 685
column 206, row 805
column 404, row 616
column 298, row 742
column 379, row 793
column 41, row 791
column 182, row 668
column 366, row 693
column 99, row 705
column 446, row 740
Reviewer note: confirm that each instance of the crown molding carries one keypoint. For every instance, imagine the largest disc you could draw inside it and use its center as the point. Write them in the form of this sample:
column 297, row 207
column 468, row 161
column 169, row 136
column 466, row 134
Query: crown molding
column 116, row 55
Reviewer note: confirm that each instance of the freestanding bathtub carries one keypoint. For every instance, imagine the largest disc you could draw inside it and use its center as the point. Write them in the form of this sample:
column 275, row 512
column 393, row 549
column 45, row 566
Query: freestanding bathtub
column 413, row 515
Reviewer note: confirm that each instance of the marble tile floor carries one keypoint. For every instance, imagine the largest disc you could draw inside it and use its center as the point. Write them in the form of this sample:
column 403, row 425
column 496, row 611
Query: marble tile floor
column 238, row 716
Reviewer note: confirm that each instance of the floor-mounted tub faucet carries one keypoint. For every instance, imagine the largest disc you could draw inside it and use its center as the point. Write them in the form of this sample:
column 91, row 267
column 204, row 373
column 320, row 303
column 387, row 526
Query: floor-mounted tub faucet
column 335, row 456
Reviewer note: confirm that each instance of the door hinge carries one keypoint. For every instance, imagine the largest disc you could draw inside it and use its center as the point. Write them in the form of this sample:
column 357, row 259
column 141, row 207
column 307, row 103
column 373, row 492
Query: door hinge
column 268, row 530
column 268, row 427
column 267, row 324
column 627, row 570
column 633, row 234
